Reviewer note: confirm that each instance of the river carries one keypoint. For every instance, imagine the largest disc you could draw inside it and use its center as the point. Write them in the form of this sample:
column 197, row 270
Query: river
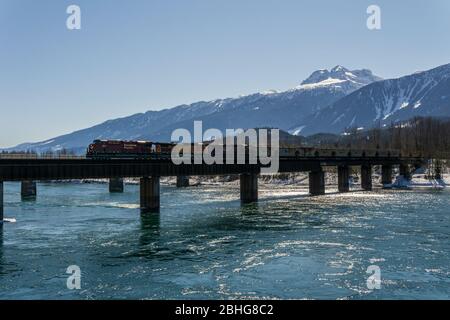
column 205, row 245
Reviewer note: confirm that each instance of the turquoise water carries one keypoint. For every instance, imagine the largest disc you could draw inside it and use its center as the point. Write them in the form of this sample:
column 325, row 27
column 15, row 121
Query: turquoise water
column 204, row 245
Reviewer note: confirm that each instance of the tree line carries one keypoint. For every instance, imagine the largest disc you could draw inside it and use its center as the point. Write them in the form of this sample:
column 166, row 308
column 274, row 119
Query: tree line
column 427, row 137
column 47, row 153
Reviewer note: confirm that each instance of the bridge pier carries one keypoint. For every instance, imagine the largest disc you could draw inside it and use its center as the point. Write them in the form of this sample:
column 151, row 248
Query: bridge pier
column 116, row 185
column 150, row 194
column 182, row 181
column 1, row 203
column 317, row 183
column 249, row 187
column 28, row 189
column 343, row 178
column 366, row 177
column 438, row 172
column 386, row 175
column 405, row 172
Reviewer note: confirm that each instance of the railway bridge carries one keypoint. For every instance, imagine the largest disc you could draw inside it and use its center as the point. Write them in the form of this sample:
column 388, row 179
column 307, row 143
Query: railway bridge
column 29, row 170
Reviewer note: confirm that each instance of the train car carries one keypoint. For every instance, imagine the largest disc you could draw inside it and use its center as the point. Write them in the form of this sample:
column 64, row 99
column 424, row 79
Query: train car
column 388, row 153
column 342, row 153
column 296, row 152
column 311, row 152
column 118, row 149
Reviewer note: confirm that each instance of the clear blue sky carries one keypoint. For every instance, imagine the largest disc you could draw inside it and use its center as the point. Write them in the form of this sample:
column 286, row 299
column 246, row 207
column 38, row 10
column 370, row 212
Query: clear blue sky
column 139, row 55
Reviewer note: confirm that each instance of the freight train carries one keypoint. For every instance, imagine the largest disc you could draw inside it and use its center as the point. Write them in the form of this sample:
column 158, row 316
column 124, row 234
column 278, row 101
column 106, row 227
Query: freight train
column 115, row 149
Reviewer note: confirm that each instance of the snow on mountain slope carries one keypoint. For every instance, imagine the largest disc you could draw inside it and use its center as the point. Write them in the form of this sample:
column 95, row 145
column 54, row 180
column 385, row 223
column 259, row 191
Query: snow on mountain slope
column 382, row 103
column 265, row 109
column 339, row 74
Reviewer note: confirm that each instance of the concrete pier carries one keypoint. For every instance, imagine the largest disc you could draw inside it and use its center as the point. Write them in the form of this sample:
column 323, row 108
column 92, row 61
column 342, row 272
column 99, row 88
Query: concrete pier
column 317, row 183
column 343, row 179
column 249, row 187
column 28, row 189
column 182, row 181
column 366, row 177
column 386, row 175
column 150, row 194
column 115, row 185
column 1, row 202
column 405, row 172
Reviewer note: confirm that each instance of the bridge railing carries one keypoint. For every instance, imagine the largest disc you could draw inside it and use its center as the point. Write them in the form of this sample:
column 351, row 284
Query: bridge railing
column 24, row 156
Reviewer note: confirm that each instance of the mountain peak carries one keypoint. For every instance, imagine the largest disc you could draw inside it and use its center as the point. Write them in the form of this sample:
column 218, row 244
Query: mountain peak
column 339, row 68
column 340, row 74
column 422, row 94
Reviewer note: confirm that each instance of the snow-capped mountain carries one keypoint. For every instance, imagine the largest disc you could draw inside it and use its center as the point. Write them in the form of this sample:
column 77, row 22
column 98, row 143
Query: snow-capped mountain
column 339, row 76
column 382, row 103
column 266, row 109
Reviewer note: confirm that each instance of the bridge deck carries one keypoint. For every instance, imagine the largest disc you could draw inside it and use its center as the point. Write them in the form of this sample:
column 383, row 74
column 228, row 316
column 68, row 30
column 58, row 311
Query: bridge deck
column 79, row 168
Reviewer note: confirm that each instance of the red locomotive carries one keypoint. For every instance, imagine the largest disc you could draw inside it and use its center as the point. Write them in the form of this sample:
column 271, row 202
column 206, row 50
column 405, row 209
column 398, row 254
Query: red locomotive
column 107, row 149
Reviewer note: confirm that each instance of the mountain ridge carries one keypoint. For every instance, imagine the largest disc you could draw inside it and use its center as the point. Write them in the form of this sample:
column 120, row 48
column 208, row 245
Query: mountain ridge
column 425, row 93
column 270, row 108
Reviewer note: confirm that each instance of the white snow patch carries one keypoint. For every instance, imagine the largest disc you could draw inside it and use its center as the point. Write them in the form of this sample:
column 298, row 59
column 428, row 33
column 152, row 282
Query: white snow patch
column 418, row 182
column 47, row 142
column 352, row 122
column 324, row 83
column 417, row 104
column 268, row 92
column 338, row 119
column 350, row 74
column 404, row 105
column 297, row 131
column 337, row 68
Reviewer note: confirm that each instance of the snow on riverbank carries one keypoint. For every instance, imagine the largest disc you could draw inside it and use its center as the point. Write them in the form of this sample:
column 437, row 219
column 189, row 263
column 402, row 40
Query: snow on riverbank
column 301, row 179
column 421, row 181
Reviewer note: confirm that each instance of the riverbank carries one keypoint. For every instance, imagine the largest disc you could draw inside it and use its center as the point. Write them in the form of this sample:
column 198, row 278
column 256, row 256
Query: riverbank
column 300, row 179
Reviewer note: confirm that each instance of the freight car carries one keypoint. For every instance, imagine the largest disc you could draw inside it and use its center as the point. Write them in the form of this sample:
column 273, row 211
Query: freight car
column 116, row 149
column 311, row 152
